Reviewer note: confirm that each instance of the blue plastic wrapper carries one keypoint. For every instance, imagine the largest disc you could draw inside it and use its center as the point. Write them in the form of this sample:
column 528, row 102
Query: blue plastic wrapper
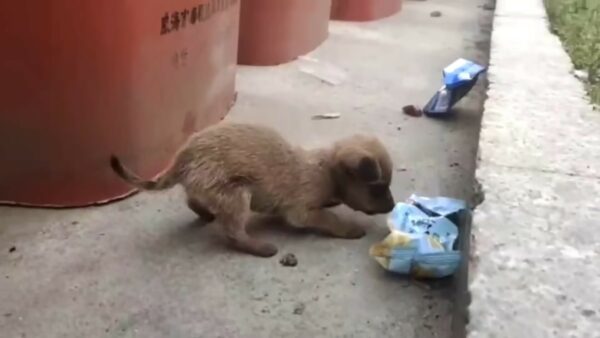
column 422, row 238
column 459, row 78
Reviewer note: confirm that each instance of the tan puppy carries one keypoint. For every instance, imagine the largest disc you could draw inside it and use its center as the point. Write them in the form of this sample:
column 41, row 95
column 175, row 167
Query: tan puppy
column 230, row 169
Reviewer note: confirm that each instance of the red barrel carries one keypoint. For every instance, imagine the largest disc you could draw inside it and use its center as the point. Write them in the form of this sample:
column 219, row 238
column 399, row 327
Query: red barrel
column 85, row 79
column 278, row 31
column 364, row 10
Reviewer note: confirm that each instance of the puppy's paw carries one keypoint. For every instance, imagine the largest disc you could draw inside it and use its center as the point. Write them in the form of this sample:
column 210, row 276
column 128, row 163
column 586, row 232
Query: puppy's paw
column 354, row 232
column 266, row 250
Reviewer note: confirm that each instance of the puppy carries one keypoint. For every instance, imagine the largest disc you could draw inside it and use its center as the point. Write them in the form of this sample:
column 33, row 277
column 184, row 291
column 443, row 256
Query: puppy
column 231, row 169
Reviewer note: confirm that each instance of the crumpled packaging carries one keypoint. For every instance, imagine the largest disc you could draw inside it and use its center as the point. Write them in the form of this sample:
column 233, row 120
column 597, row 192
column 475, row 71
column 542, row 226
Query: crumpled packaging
column 423, row 234
column 459, row 78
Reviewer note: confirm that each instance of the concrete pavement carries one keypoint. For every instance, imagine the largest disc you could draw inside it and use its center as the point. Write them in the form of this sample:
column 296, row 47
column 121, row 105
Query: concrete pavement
column 535, row 267
column 143, row 267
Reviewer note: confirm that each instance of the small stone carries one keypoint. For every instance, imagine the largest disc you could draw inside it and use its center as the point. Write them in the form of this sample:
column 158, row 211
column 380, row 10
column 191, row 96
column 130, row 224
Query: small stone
column 588, row 313
column 489, row 7
column 412, row 110
column 400, row 170
column 12, row 249
column 74, row 222
column 289, row 260
column 299, row 308
column 435, row 14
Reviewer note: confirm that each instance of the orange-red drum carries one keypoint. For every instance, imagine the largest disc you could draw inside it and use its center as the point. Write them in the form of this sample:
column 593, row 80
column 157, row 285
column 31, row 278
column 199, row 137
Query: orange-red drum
column 81, row 80
column 278, row 31
column 364, row 10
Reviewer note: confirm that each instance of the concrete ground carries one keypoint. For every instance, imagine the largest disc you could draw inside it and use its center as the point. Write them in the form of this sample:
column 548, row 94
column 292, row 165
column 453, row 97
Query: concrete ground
column 143, row 267
column 537, row 246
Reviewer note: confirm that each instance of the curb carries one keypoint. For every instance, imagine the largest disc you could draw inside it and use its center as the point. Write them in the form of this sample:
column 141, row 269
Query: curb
column 539, row 162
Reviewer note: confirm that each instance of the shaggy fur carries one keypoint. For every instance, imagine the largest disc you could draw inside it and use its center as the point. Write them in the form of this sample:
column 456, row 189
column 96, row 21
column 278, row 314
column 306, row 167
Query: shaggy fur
column 231, row 169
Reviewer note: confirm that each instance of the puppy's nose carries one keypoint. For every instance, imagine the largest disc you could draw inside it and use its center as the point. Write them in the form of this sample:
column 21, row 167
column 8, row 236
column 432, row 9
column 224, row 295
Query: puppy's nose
column 391, row 205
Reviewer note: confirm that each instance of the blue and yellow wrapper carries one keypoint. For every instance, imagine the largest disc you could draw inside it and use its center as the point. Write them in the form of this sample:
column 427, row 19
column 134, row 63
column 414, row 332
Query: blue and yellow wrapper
column 423, row 234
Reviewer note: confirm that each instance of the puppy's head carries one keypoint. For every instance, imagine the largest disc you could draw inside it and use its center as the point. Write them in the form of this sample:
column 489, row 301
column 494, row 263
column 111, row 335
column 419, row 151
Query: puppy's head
column 362, row 169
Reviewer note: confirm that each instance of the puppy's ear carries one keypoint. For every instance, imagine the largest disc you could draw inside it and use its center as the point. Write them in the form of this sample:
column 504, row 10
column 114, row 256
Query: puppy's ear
column 360, row 164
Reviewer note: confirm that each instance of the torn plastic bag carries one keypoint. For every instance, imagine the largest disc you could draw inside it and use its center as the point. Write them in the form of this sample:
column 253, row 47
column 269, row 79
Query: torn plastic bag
column 422, row 238
column 459, row 78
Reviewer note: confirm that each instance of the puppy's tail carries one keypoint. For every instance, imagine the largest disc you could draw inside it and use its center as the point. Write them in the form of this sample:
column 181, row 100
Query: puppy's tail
column 165, row 181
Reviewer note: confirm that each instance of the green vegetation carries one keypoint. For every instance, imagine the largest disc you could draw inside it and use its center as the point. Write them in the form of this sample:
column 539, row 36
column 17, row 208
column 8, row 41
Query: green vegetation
column 577, row 23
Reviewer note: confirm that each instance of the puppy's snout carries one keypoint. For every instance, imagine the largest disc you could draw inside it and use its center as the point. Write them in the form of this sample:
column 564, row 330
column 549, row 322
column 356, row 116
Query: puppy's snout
column 383, row 207
column 389, row 205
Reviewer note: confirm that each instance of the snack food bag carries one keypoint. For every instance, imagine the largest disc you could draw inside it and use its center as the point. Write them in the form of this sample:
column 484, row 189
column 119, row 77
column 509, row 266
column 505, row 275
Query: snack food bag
column 459, row 78
column 423, row 234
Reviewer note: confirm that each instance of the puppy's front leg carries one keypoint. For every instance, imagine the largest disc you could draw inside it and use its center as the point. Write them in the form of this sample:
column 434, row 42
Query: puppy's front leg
column 325, row 221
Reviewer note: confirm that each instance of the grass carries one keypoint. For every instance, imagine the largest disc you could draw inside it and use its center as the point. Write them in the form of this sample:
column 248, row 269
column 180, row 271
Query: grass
column 577, row 23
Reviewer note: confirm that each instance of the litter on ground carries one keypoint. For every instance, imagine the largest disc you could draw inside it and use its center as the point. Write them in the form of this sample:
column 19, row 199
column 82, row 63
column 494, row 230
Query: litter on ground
column 322, row 70
column 422, row 240
column 459, row 78
column 327, row 116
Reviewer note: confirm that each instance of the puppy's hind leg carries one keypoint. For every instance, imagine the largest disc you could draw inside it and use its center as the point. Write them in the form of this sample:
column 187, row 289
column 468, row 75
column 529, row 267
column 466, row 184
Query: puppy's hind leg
column 197, row 206
column 233, row 213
